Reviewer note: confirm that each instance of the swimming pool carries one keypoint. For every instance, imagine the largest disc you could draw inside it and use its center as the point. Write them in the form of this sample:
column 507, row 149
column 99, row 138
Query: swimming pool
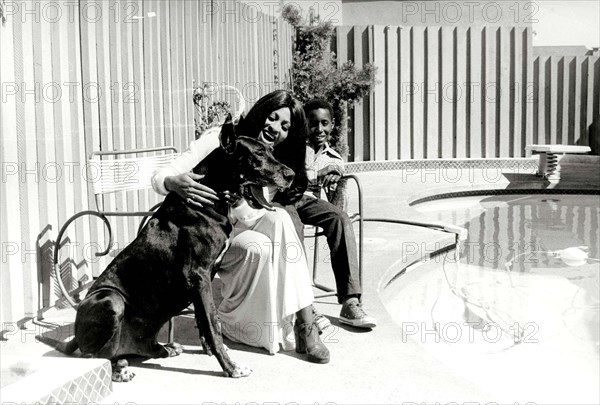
column 518, row 312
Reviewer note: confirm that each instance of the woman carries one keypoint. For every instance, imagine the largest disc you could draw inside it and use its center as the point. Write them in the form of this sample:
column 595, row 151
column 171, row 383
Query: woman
column 264, row 271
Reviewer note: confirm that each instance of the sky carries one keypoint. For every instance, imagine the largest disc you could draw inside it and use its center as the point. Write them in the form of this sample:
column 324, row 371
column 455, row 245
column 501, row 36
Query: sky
column 566, row 23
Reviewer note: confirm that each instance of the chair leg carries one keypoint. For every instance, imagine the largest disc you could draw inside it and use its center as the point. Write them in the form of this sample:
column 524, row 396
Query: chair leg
column 329, row 292
column 171, row 330
column 315, row 258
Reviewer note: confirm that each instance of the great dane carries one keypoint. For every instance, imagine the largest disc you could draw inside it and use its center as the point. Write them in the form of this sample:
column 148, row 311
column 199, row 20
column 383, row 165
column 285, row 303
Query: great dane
column 170, row 265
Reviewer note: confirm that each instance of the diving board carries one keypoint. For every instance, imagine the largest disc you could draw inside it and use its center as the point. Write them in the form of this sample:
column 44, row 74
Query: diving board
column 550, row 155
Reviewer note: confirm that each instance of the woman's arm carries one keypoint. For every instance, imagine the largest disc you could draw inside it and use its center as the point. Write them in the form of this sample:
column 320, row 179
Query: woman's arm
column 177, row 176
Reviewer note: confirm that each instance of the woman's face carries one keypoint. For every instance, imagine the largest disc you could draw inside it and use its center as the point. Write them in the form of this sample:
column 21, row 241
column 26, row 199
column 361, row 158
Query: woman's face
column 276, row 127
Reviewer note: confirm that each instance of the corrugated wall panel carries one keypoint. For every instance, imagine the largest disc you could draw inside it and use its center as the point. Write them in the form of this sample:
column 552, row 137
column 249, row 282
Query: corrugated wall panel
column 103, row 77
column 464, row 92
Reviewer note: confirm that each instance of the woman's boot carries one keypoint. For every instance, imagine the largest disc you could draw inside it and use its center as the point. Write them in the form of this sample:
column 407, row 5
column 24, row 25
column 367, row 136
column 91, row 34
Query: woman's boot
column 307, row 338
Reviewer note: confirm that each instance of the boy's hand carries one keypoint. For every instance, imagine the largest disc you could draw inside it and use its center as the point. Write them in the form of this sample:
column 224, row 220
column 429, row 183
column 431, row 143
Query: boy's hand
column 188, row 187
column 329, row 176
column 331, row 179
column 233, row 199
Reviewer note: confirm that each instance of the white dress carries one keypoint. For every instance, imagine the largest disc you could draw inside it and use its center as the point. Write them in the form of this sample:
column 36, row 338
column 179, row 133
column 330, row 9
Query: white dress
column 264, row 272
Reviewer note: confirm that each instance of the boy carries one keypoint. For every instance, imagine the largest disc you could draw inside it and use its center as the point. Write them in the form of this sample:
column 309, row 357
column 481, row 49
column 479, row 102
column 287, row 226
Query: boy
column 324, row 169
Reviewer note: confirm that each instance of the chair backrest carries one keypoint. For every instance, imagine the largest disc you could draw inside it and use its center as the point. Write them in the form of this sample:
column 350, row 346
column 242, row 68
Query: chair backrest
column 127, row 170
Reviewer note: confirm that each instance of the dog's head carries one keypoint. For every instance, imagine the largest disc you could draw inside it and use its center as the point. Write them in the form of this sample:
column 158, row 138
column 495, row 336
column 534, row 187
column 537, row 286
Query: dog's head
column 254, row 166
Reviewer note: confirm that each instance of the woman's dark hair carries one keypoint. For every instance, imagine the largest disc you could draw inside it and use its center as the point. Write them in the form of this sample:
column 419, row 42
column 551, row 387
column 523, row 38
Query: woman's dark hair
column 292, row 151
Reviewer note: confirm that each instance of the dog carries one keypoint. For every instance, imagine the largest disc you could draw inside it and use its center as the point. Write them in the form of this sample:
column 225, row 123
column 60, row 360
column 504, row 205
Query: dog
column 171, row 264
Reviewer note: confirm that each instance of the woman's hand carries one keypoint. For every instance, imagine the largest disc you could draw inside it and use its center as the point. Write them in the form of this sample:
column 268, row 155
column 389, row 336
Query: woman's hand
column 188, row 187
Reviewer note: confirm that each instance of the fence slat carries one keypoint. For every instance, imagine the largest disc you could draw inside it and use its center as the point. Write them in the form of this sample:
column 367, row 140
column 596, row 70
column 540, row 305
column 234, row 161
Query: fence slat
column 504, row 95
column 460, row 95
column 476, row 92
column 392, row 87
column 361, row 132
column 11, row 277
column 378, row 101
column 46, row 134
column 529, row 89
column 446, row 97
column 418, row 102
column 91, row 123
column 491, row 90
column 405, row 94
column 573, row 92
column 515, row 100
column 553, row 93
column 431, row 93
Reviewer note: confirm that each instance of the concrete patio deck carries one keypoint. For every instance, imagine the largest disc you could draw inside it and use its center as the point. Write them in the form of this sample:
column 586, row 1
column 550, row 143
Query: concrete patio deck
column 381, row 366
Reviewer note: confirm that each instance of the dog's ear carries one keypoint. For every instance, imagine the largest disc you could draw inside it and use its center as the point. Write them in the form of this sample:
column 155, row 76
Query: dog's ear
column 239, row 123
column 227, row 136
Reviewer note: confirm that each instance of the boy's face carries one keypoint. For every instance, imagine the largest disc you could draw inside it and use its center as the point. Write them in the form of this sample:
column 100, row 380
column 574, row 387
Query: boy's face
column 320, row 125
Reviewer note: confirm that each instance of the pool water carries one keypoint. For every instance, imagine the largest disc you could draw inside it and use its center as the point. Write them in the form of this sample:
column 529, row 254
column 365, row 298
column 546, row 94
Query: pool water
column 504, row 226
column 514, row 312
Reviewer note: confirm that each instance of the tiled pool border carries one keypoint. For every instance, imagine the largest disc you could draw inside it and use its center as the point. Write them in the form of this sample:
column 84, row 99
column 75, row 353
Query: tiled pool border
column 526, row 164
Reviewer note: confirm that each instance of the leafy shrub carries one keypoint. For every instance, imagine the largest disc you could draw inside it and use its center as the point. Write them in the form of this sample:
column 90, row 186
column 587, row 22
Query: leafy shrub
column 317, row 73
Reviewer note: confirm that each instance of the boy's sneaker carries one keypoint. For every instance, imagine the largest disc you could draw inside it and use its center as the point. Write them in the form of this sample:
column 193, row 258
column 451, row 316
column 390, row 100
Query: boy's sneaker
column 353, row 314
column 320, row 320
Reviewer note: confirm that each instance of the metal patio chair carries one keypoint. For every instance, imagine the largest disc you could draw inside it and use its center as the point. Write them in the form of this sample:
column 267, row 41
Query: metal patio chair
column 315, row 232
column 117, row 172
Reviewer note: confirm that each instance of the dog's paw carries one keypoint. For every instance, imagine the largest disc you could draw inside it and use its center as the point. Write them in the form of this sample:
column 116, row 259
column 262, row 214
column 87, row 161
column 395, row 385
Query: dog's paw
column 122, row 372
column 125, row 375
column 239, row 370
column 174, row 349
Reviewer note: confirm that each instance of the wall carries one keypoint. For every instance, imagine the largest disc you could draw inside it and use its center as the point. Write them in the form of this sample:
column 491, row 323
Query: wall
column 93, row 75
column 578, row 22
